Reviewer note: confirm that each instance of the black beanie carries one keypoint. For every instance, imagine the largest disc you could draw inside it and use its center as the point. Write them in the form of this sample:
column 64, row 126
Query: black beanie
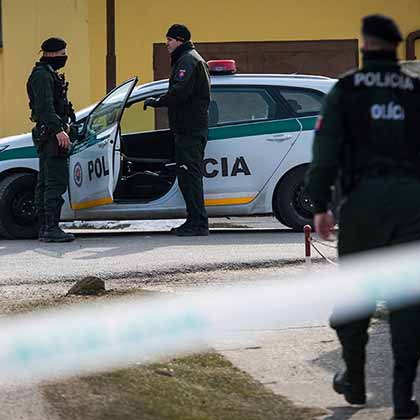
column 53, row 44
column 179, row 32
column 382, row 27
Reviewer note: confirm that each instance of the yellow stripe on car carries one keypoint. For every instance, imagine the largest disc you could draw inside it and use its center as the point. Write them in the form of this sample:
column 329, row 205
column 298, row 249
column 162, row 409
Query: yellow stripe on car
column 92, row 203
column 227, row 201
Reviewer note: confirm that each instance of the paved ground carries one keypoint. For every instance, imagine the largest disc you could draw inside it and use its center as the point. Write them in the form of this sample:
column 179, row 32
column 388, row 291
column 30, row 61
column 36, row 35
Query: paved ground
column 134, row 253
column 295, row 362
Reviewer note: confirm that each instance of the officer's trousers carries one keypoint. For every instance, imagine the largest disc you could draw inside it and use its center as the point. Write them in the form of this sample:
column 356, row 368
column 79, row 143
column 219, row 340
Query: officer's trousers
column 381, row 212
column 52, row 180
column 189, row 155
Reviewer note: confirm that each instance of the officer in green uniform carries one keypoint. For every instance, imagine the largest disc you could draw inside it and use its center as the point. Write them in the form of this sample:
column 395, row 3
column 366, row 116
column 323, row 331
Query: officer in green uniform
column 52, row 112
column 368, row 137
column 187, row 100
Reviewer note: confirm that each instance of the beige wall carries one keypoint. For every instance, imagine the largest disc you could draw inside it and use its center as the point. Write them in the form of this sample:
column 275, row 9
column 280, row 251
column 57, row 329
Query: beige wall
column 140, row 23
column 26, row 23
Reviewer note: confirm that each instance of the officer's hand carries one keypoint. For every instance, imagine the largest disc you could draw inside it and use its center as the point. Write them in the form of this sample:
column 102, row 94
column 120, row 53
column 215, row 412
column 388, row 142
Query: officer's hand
column 63, row 139
column 153, row 102
column 324, row 223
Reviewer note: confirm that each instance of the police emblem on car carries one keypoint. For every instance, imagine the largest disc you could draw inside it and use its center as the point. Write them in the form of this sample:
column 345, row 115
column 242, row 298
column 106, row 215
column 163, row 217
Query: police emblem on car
column 78, row 174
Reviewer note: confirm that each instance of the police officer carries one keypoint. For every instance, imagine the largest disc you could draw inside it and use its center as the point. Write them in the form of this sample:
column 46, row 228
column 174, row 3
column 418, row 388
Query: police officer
column 51, row 111
column 368, row 137
column 187, row 100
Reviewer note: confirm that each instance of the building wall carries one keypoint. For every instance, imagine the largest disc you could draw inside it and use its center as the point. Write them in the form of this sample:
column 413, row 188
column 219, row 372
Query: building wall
column 141, row 23
column 26, row 23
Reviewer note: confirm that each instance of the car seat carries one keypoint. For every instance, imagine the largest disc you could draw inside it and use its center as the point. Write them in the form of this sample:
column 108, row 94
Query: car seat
column 294, row 105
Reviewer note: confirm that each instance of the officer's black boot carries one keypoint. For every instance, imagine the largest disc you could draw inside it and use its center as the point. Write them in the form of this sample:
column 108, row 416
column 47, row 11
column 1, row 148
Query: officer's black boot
column 41, row 221
column 52, row 232
column 353, row 389
column 405, row 407
column 185, row 225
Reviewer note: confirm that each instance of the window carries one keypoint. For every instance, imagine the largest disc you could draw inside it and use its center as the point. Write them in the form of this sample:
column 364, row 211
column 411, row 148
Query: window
column 234, row 105
column 303, row 102
column 136, row 120
column 1, row 28
column 108, row 111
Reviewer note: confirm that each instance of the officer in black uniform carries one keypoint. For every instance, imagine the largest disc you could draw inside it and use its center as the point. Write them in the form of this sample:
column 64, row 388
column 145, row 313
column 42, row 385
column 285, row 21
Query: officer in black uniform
column 52, row 112
column 368, row 137
column 187, row 99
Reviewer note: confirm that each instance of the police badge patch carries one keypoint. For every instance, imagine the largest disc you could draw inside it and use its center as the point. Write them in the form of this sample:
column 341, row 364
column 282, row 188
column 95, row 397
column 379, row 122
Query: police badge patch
column 78, row 174
column 181, row 73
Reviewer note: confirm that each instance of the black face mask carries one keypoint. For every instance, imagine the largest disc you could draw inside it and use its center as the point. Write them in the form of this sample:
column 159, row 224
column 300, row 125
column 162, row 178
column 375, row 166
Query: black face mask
column 55, row 62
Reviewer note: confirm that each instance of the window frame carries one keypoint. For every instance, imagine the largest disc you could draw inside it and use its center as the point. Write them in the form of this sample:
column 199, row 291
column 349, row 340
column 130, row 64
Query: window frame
column 269, row 91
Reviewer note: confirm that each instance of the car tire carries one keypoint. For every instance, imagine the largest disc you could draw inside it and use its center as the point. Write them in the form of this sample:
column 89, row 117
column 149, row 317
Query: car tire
column 18, row 218
column 291, row 203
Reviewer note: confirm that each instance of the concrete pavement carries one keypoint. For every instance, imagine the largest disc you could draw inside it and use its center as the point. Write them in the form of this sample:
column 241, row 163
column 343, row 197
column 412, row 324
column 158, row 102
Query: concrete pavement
column 133, row 253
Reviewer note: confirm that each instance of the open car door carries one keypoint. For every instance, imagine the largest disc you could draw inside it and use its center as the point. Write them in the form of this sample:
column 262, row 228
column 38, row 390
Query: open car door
column 94, row 165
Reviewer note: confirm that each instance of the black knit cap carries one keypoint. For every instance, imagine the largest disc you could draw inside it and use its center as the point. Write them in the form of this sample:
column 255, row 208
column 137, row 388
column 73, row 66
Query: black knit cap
column 179, row 32
column 53, row 45
column 382, row 27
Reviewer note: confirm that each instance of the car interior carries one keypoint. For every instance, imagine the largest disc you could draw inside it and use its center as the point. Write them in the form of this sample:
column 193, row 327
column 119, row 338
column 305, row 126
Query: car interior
column 148, row 163
column 147, row 166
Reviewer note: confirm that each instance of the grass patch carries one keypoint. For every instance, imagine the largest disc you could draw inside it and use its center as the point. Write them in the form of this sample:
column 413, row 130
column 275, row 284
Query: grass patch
column 199, row 387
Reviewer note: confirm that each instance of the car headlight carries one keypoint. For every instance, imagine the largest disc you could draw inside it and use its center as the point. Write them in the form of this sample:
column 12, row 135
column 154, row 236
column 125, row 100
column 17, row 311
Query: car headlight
column 3, row 148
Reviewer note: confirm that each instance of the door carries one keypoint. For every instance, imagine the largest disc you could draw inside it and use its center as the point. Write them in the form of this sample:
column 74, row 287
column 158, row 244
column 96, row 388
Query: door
column 95, row 158
column 324, row 57
column 250, row 132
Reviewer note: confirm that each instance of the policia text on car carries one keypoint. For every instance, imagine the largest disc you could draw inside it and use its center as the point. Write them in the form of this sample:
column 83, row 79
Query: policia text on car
column 52, row 112
column 188, row 100
column 368, row 135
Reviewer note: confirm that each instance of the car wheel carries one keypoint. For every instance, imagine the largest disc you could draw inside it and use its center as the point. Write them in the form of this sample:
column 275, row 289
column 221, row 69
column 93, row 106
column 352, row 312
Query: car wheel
column 291, row 203
column 18, row 218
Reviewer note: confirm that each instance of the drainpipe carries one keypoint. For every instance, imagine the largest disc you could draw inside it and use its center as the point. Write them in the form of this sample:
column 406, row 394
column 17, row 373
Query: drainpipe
column 410, row 50
column 110, row 46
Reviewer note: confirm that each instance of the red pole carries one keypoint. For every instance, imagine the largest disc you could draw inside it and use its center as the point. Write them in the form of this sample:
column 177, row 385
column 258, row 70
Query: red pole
column 308, row 237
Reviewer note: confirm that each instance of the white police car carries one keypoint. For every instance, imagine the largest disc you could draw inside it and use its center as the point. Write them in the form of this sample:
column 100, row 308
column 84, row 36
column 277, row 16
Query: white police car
column 122, row 166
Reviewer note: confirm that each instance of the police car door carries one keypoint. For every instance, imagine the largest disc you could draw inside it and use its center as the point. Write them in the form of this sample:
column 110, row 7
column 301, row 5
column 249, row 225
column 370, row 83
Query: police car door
column 250, row 134
column 94, row 158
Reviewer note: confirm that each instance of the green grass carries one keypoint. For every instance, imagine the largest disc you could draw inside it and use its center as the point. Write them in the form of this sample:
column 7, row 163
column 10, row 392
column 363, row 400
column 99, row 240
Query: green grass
column 199, row 387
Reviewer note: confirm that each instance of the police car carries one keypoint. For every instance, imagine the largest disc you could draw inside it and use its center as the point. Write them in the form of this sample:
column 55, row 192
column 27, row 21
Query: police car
column 122, row 167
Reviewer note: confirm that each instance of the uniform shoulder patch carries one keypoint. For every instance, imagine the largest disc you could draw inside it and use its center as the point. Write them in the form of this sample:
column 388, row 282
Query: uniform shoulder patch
column 181, row 73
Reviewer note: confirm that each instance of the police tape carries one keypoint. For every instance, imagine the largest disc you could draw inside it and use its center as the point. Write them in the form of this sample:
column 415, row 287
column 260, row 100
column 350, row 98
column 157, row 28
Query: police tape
column 98, row 337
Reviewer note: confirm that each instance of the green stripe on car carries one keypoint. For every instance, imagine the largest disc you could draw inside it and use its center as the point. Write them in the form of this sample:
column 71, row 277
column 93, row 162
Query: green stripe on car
column 260, row 128
column 28, row 152
column 215, row 133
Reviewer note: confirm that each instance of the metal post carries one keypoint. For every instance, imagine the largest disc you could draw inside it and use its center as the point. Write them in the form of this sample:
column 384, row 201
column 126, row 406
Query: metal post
column 111, row 60
column 308, row 237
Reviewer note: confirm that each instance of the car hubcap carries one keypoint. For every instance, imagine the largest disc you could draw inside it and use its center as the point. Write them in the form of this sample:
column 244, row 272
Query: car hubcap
column 23, row 208
column 302, row 203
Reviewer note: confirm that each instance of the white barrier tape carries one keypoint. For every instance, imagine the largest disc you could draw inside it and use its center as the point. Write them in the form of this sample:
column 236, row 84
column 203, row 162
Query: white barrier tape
column 86, row 339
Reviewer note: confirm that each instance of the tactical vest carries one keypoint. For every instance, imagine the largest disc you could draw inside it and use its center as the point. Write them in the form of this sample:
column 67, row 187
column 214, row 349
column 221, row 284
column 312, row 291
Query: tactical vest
column 381, row 120
column 62, row 106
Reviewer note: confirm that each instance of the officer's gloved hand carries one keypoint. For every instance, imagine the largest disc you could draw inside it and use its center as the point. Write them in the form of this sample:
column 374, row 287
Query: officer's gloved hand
column 153, row 102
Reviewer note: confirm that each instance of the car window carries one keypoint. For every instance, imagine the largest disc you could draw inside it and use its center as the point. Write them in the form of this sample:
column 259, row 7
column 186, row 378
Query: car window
column 233, row 105
column 136, row 120
column 108, row 111
column 303, row 102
